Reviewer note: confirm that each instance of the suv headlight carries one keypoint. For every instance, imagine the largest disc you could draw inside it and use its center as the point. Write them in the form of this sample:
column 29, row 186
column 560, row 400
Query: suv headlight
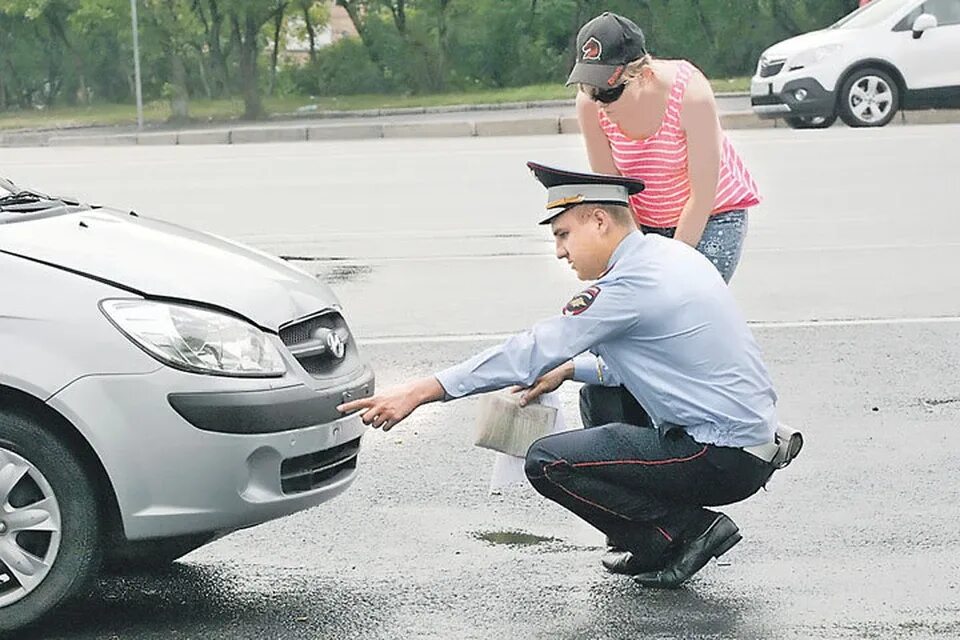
column 811, row 57
column 195, row 339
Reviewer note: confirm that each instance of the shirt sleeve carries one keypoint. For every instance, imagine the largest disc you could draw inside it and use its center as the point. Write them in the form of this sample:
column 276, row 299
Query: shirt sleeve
column 591, row 369
column 598, row 314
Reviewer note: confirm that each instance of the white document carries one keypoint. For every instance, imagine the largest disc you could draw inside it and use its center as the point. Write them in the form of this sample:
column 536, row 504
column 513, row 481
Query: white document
column 508, row 470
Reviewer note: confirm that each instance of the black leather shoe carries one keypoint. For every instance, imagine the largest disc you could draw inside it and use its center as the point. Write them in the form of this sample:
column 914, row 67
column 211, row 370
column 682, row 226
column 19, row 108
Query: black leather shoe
column 625, row 563
column 718, row 538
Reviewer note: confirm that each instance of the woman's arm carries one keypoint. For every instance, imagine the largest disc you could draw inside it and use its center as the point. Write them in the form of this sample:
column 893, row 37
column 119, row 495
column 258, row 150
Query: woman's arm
column 701, row 123
column 598, row 149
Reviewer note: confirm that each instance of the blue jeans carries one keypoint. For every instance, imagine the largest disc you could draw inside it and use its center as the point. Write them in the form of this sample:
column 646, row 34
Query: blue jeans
column 721, row 242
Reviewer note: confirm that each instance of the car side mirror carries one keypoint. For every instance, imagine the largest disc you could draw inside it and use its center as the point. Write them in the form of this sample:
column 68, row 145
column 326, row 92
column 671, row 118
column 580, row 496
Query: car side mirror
column 923, row 22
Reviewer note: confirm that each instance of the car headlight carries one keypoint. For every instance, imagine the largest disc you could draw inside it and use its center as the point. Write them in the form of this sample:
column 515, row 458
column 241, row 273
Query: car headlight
column 195, row 339
column 811, row 57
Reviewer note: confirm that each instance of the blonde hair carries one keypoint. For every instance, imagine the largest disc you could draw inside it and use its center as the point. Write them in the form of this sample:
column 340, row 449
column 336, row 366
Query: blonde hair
column 634, row 68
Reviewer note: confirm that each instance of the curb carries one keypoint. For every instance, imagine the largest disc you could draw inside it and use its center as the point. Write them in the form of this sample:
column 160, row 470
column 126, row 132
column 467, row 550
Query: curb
column 356, row 131
column 314, row 114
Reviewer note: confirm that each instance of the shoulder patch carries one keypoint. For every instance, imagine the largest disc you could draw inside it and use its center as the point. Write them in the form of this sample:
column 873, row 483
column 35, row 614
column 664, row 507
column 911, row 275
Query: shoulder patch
column 581, row 302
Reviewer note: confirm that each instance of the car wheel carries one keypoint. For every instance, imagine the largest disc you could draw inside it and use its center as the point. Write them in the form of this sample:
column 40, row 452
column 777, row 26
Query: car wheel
column 141, row 556
column 811, row 122
column 49, row 522
column 869, row 98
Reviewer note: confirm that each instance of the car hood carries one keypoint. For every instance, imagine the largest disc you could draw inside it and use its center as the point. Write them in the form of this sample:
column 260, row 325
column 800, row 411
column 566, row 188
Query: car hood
column 806, row 41
column 163, row 260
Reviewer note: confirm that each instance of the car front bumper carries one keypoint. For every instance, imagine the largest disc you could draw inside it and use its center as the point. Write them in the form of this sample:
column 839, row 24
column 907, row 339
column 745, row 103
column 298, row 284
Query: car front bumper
column 260, row 448
column 772, row 99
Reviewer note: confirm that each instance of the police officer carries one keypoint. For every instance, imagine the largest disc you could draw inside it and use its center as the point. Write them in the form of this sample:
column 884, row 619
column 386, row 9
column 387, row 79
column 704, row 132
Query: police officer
column 659, row 326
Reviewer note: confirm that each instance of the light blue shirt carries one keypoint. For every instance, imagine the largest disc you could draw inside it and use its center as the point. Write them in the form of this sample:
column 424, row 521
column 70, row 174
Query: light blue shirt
column 661, row 322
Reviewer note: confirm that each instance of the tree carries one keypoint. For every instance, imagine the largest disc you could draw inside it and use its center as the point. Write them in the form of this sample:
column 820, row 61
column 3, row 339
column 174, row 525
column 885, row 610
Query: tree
column 178, row 33
column 247, row 18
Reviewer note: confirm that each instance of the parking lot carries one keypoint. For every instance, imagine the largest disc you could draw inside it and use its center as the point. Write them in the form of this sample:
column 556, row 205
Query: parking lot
column 850, row 279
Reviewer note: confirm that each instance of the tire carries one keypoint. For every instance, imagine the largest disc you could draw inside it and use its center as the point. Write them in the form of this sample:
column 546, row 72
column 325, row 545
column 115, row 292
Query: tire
column 869, row 98
column 143, row 556
column 48, row 511
column 811, row 122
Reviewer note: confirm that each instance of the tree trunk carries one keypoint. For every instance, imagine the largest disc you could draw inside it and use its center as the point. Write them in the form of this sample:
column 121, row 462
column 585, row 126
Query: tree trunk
column 399, row 11
column 311, row 33
column 179, row 98
column 705, row 25
column 781, row 15
column 213, row 29
column 275, row 54
column 249, row 77
column 443, row 43
column 355, row 16
column 58, row 29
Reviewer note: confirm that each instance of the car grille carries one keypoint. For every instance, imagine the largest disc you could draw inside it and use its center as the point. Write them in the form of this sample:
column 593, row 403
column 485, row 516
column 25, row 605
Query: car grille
column 312, row 470
column 759, row 100
column 307, row 341
column 770, row 68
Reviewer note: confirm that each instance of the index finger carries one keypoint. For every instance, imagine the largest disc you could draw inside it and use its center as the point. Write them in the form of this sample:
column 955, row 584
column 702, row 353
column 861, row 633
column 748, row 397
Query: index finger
column 354, row 405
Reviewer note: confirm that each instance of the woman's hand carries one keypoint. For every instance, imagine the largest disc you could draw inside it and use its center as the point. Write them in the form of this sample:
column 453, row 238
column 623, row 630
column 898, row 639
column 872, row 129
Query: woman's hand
column 546, row 383
column 386, row 410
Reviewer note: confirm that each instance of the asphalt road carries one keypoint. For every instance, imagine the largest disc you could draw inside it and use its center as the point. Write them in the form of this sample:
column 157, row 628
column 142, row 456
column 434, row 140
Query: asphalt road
column 850, row 278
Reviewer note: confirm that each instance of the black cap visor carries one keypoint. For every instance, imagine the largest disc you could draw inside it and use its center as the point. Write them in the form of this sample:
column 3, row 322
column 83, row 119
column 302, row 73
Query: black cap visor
column 603, row 76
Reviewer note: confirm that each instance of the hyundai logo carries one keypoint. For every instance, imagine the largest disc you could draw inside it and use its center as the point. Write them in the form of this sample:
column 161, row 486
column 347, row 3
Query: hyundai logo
column 336, row 344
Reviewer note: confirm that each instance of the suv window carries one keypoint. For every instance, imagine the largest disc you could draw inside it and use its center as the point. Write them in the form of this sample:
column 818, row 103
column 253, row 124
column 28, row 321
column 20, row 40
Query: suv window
column 947, row 12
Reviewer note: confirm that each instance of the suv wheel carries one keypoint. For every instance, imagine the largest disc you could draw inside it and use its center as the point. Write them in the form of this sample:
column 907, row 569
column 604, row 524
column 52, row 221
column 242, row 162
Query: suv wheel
column 869, row 98
column 49, row 526
column 811, row 122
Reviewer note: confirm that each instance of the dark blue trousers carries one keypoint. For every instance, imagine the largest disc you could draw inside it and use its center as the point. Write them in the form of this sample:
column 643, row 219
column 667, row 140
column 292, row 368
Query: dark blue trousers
column 644, row 489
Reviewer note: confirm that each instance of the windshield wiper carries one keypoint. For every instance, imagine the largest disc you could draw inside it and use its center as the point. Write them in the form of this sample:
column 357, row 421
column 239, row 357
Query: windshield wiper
column 28, row 201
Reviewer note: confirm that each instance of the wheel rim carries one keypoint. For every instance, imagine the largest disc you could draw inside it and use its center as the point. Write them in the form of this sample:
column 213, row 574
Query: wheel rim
column 30, row 527
column 870, row 99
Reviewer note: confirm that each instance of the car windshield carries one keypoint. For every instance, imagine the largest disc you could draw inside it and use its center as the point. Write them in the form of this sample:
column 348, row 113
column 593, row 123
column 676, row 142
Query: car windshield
column 870, row 14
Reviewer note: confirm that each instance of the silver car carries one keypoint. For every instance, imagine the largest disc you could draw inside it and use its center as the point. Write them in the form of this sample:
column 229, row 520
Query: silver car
column 159, row 387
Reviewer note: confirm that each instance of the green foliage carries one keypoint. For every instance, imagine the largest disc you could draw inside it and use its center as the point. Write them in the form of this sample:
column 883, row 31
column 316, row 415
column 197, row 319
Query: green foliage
column 344, row 68
column 62, row 52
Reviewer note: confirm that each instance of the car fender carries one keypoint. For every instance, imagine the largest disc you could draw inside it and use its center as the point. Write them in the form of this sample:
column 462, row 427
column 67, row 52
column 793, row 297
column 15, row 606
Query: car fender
column 52, row 330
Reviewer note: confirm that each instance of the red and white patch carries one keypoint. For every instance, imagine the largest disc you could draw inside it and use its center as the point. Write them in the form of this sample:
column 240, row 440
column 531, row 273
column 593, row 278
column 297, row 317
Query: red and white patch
column 613, row 79
column 581, row 302
column 591, row 49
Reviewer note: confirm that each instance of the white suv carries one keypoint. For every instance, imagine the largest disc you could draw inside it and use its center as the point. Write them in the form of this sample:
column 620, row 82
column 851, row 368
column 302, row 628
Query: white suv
column 885, row 56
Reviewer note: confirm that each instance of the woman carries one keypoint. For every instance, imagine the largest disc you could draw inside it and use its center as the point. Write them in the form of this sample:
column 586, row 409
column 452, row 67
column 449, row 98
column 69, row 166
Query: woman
column 657, row 120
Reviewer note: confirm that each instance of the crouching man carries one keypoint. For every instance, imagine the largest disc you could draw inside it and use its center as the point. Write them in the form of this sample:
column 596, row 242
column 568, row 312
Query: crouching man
column 680, row 407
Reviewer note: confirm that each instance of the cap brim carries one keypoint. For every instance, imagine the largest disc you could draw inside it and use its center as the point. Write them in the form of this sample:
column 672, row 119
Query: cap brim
column 595, row 75
column 547, row 216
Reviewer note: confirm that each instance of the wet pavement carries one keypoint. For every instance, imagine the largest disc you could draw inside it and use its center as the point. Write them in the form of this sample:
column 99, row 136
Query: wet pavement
column 851, row 281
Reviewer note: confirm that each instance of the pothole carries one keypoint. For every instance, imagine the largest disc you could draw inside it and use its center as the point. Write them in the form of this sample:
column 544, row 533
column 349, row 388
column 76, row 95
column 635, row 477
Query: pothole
column 513, row 538
column 932, row 403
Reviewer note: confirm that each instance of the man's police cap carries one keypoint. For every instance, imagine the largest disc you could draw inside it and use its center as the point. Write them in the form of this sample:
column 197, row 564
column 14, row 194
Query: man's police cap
column 566, row 189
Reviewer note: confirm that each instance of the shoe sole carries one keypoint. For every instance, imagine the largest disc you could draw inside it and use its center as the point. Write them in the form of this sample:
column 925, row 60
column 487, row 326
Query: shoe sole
column 727, row 544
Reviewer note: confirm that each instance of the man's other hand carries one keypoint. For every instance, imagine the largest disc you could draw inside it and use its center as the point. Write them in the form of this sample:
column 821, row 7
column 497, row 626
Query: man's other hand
column 546, row 383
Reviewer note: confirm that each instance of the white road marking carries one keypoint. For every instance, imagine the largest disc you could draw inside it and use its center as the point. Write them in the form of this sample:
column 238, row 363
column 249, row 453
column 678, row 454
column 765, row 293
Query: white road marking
column 788, row 324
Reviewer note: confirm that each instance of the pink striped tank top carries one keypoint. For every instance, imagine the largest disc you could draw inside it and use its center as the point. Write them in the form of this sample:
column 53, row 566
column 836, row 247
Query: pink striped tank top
column 661, row 162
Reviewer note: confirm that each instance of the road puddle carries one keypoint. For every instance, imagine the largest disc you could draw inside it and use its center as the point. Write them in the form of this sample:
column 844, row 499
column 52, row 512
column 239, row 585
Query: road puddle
column 513, row 538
